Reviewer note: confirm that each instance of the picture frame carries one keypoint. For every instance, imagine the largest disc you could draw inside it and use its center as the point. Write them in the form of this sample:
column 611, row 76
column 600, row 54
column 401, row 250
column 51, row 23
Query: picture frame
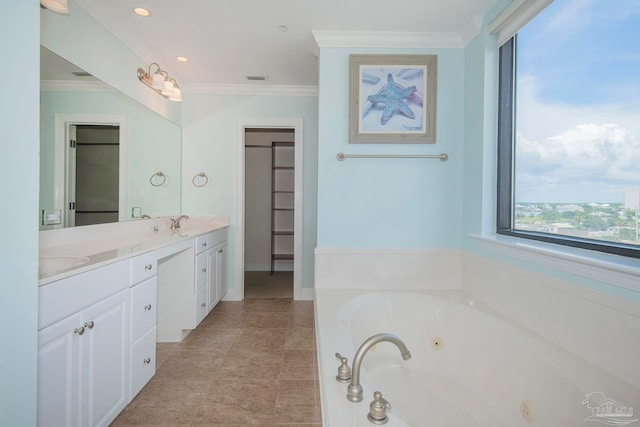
column 392, row 99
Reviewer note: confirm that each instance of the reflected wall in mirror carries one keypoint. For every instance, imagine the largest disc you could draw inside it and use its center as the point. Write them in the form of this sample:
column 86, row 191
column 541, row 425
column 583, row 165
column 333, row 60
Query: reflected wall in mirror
column 139, row 143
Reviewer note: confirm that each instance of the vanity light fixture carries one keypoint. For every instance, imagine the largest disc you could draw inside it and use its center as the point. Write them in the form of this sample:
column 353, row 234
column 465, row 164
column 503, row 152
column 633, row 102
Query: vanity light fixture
column 161, row 82
column 57, row 6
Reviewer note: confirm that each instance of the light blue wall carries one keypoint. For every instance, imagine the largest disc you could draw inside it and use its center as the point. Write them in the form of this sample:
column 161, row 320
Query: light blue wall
column 20, row 47
column 209, row 138
column 389, row 203
column 480, row 158
column 154, row 144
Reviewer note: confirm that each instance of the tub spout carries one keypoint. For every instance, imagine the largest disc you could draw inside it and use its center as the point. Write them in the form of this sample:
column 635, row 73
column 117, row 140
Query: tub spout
column 354, row 390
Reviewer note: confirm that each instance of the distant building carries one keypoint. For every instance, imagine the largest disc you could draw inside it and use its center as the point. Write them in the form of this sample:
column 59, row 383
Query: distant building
column 632, row 199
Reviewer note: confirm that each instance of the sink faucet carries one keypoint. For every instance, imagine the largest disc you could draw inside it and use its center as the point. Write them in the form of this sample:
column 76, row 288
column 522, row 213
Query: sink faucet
column 354, row 390
column 175, row 223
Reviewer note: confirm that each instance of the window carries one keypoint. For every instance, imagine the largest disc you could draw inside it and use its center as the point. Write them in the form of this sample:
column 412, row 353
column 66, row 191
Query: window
column 569, row 127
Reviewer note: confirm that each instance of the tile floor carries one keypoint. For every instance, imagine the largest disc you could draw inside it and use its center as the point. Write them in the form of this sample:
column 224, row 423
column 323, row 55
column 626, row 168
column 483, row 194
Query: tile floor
column 263, row 284
column 250, row 363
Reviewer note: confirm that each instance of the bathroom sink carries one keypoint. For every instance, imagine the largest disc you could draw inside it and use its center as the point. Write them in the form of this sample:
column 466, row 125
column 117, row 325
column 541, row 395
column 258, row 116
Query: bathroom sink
column 54, row 264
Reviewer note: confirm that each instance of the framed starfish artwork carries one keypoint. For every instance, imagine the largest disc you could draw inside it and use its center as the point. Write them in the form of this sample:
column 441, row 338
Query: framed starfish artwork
column 392, row 99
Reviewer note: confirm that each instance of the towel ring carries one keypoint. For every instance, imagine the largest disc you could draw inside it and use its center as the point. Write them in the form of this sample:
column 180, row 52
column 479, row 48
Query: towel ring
column 156, row 182
column 201, row 175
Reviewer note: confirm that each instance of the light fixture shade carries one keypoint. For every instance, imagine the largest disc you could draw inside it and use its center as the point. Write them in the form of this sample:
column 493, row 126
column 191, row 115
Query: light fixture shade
column 158, row 80
column 58, row 6
column 176, row 96
column 168, row 88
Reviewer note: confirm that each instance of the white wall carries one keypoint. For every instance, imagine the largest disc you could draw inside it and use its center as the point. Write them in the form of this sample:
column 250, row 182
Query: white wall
column 20, row 46
column 209, row 137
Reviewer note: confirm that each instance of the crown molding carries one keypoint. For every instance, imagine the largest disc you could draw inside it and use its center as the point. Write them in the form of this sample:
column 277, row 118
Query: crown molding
column 378, row 39
column 244, row 89
column 471, row 30
column 74, row 86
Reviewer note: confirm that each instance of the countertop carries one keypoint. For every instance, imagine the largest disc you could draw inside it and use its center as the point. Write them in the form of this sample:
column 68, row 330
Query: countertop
column 85, row 248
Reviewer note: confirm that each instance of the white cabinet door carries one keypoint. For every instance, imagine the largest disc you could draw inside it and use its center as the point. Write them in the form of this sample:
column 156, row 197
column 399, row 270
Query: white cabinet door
column 105, row 347
column 212, row 285
column 201, row 304
column 143, row 362
column 58, row 373
column 221, row 270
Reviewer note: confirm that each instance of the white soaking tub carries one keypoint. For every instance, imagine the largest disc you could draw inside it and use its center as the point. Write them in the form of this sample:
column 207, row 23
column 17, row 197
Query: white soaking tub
column 469, row 366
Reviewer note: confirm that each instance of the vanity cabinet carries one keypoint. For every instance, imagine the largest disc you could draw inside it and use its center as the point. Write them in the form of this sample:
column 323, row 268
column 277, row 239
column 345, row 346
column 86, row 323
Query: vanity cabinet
column 213, row 274
column 83, row 365
column 143, row 297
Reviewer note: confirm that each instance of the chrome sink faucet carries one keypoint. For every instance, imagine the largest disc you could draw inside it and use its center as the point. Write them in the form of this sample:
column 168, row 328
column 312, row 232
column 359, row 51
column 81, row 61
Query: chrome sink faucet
column 354, row 390
column 175, row 223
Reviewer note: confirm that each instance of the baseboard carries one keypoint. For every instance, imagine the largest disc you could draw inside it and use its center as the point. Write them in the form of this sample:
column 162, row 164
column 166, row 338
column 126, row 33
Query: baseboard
column 305, row 294
column 231, row 295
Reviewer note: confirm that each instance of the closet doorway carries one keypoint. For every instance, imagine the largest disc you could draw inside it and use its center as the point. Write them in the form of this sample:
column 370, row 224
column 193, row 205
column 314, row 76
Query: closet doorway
column 269, row 213
column 101, row 137
column 268, row 244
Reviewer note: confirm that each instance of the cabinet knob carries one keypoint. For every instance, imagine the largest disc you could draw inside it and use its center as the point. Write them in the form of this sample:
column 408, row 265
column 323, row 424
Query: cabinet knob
column 204, row 304
column 220, row 251
column 79, row 330
column 89, row 325
column 204, row 245
column 147, row 307
column 204, row 270
column 148, row 267
column 147, row 360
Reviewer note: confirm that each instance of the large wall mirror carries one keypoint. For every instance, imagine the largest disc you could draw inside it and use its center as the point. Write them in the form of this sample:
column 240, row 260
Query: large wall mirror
column 103, row 156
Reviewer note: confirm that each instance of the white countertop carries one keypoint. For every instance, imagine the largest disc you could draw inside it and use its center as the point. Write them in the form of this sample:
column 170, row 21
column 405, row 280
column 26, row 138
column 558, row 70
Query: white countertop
column 97, row 245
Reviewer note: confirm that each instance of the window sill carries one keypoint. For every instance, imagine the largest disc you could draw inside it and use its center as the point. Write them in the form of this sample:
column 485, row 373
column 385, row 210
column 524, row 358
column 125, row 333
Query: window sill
column 614, row 270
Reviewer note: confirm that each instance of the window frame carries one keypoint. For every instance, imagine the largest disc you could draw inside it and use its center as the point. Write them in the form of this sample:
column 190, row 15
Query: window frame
column 507, row 92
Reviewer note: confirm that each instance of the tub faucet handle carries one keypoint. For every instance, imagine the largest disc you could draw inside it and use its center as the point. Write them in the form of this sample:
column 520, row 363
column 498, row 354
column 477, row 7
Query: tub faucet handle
column 378, row 409
column 344, row 371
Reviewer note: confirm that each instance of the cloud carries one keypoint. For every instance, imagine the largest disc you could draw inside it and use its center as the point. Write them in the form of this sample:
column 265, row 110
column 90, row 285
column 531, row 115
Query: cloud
column 574, row 153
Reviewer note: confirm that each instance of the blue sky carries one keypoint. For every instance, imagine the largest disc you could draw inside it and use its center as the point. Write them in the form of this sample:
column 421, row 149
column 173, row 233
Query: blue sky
column 578, row 105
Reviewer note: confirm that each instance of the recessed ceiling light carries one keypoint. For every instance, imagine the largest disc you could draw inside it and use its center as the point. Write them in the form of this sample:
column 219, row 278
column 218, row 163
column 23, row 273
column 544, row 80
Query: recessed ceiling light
column 182, row 58
column 141, row 12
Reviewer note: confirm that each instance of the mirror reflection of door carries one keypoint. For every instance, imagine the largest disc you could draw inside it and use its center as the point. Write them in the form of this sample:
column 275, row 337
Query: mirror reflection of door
column 93, row 174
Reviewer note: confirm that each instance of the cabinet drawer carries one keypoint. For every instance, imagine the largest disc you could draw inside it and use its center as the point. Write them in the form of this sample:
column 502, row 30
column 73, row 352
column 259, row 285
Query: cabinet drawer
column 217, row 237
column 143, row 307
column 201, row 304
column 143, row 267
column 201, row 270
column 142, row 362
column 203, row 243
column 64, row 297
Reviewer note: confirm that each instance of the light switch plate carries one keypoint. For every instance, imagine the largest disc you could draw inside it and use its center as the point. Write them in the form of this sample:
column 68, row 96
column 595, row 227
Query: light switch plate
column 51, row 216
column 136, row 212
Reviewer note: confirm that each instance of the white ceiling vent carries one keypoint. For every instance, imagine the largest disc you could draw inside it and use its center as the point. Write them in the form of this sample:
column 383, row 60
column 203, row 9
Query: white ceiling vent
column 259, row 78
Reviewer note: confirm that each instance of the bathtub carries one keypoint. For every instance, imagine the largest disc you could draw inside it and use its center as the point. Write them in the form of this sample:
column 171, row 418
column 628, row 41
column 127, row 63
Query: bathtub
column 469, row 366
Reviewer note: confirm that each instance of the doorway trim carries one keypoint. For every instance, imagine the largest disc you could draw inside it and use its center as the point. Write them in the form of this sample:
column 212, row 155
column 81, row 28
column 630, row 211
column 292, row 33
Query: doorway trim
column 268, row 123
column 61, row 155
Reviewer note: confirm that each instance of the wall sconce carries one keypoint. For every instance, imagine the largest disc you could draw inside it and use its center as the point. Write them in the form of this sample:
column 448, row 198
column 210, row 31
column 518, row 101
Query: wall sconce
column 161, row 82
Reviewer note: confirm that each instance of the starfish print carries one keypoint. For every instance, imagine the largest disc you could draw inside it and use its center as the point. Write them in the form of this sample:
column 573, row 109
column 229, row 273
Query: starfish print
column 392, row 96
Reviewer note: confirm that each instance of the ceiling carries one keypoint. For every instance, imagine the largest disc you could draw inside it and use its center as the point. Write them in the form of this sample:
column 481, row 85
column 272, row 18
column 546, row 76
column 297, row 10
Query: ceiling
column 226, row 41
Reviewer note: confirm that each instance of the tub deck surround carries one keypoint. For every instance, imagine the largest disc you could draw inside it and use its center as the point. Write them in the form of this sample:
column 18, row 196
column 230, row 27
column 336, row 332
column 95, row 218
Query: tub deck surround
column 471, row 365
column 104, row 244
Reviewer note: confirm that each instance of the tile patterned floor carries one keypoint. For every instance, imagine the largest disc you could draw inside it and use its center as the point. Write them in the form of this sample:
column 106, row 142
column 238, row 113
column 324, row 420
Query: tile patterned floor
column 250, row 363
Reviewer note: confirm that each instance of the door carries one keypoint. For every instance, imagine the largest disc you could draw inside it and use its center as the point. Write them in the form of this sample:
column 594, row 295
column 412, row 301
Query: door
column 93, row 174
column 58, row 373
column 212, row 278
column 105, row 360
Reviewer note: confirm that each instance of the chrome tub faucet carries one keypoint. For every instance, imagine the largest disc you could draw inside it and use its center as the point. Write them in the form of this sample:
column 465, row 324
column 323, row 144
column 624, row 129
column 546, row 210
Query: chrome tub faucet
column 354, row 390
